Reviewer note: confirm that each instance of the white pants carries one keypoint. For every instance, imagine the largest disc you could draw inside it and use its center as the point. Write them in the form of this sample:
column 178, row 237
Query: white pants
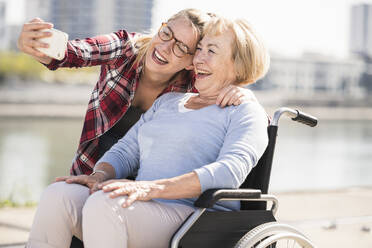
column 67, row 209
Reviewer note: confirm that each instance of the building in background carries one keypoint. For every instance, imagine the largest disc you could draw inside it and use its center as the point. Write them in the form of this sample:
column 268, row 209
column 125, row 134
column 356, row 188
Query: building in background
column 87, row 18
column 321, row 78
column 310, row 75
column 131, row 15
column 37, row 8
column 3, row 38
column 314, row 75
column 361, row 30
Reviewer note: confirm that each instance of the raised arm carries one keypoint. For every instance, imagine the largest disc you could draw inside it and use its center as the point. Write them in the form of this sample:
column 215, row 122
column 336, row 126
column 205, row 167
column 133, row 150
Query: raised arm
column 105, row 49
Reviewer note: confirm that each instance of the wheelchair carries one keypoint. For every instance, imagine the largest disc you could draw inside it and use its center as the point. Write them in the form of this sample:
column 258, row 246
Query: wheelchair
column 254, row 226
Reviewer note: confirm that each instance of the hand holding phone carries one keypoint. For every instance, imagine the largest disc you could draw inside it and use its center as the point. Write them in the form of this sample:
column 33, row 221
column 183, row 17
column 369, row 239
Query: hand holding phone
column 57, row 44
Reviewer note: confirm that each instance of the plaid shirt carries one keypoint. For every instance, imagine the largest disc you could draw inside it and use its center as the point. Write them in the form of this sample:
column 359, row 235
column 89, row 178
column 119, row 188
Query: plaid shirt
column 114, row 90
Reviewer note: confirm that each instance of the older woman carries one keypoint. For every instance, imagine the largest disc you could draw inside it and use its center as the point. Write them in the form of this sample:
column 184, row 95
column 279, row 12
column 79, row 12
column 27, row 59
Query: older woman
column 183, row 145
column 135, row 70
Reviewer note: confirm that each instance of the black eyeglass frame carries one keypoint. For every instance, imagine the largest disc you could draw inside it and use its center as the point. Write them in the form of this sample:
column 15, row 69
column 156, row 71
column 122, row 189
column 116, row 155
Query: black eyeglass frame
column 177, row 42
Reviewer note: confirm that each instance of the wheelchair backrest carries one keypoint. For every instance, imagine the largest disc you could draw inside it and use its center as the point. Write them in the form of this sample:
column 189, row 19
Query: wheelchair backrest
column 259, row 177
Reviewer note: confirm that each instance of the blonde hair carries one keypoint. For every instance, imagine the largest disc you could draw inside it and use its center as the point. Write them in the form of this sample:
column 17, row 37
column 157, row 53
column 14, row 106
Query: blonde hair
column 196, row 17
column 249, row 54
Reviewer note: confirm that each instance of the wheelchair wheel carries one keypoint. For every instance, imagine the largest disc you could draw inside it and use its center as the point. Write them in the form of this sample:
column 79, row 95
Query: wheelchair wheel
column 274, row 235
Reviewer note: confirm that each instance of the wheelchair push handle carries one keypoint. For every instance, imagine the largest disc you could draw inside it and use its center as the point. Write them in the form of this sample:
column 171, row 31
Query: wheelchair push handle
column 305, row 119
column 295, row 115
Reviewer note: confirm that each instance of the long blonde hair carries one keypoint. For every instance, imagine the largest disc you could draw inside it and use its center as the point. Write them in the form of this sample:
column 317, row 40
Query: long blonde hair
column 250, row 56
column 197, row 19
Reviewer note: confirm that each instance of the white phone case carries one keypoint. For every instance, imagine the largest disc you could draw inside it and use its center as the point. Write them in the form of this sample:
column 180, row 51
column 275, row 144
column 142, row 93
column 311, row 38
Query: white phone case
column 57, row 44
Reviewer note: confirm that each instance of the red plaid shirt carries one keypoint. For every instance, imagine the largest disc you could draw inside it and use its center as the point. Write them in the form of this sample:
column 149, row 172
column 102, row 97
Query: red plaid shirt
column 113, row 92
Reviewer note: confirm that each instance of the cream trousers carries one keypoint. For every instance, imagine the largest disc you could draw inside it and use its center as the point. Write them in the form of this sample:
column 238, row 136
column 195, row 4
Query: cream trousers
column 68, row 209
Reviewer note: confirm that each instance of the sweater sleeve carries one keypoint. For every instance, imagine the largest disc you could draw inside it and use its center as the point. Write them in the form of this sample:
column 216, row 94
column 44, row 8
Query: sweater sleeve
column 245, row 142
column 125, row 154
column 104, row 49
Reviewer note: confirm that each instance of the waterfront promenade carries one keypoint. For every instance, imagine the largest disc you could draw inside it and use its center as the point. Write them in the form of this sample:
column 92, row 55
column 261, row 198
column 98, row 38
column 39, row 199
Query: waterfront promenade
column 66, row 100
column 333, row 218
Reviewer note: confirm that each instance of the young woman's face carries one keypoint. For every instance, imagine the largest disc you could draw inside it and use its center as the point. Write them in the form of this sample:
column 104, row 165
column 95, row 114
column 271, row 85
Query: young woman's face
column 160, row 57
column 213, row 62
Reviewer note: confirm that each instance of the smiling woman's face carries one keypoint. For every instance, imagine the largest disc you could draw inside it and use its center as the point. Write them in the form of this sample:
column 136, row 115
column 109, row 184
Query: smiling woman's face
column 160, row 57
column 213, row 62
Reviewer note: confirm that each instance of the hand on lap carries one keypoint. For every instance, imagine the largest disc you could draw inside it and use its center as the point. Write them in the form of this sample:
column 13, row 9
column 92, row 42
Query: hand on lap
column 90, row 181
column 135, row 190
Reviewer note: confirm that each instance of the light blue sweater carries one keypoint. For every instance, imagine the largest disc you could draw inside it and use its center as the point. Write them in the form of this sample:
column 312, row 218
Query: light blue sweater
column 221, row 145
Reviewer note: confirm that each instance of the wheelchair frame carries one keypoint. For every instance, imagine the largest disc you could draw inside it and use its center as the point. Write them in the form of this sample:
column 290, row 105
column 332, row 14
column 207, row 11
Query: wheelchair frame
column 254, row 219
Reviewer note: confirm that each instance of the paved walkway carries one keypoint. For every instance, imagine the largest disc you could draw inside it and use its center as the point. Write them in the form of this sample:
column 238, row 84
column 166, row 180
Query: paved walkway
column 341, row 218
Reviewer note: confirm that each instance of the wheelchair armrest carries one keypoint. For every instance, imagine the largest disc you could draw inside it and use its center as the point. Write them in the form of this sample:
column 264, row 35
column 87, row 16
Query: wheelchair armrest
column 209, row 197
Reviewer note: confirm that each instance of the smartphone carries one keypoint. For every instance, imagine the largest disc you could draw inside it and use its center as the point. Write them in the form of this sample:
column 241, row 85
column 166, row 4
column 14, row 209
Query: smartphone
column 57, row 44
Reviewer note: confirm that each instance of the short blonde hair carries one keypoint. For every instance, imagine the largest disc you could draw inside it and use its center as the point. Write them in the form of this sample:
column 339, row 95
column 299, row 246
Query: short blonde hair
column 249, row 54
column 197, row 19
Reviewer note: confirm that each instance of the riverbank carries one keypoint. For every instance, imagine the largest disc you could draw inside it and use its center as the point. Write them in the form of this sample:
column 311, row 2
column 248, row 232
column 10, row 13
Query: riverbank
column 35, row 99
column 51, row 110
column 333, row 218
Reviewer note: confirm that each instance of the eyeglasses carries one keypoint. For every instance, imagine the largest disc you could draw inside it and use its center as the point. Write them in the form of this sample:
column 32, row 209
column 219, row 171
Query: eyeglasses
column 179, row 48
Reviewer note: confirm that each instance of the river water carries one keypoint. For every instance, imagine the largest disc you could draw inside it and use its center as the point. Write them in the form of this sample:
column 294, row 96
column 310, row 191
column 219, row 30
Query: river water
column 336, row 154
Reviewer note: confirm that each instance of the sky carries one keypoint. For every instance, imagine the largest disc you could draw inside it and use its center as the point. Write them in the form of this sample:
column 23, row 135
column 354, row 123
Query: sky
column 289, row 27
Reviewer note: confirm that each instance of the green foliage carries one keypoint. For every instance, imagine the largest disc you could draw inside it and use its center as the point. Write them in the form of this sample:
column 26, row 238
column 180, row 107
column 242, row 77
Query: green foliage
column 12, row 204
column 19, row 64
column 23, row 66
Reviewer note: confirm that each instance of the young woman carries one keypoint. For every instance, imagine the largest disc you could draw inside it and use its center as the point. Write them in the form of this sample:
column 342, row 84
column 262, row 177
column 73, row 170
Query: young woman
column 183, row 145
column 135, row 70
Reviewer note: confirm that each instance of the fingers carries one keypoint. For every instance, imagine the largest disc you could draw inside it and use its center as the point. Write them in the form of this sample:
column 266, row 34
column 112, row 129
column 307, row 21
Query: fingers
column 103, row 184
column 234, row 97
column 130, row 199
column 82, row 179
column 35, row 43
column 60, row 179
column 37, row 34
column 94, row 188
column 78, row 179
column 32, row 51
column 37, row 24
column 37, row 19
column 222, row 94
column 31, row 32
column 229, row 95
column 72, row 179
column 247, row 95
column 110, row 186
column 121, row 191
